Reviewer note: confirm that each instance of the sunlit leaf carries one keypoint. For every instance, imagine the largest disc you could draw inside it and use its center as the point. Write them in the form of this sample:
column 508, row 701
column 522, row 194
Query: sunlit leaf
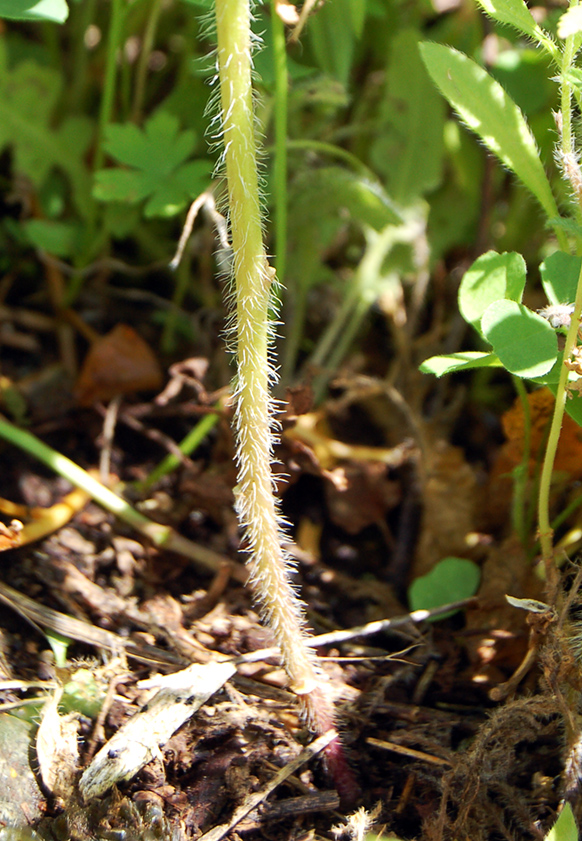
column 524, row 342
column 492, row 277
column 487, row 110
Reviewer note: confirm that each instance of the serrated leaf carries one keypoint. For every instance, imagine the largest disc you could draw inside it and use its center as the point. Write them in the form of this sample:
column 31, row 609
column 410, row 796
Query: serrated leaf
column 55, row 11
column 524, row 342
column 159, row 168
column 491, row 277
column 487, row 110
column 408, row 150
column 560, row 273
column 451, row 580
column 451, row 362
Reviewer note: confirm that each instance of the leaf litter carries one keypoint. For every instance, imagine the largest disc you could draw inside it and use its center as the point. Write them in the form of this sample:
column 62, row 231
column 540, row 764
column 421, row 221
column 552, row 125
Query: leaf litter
column 425, row 736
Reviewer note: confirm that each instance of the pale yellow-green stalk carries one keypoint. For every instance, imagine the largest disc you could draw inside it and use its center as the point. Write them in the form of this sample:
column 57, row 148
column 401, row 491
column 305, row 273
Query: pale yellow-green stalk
column 257, row 505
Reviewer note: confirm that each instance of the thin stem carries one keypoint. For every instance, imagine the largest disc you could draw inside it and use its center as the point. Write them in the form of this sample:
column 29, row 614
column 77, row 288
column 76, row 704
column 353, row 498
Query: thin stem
column 161, row 536
column 521, row 472
column 257, row 506
column 545, row 528
column 333, row 151
column 82, row 15
column 187, row 446
column 279, row 187
column 142, row 65
column 113, row 45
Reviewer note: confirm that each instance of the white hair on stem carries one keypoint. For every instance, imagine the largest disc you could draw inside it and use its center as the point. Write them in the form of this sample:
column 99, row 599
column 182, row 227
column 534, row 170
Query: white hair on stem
column 251, row 335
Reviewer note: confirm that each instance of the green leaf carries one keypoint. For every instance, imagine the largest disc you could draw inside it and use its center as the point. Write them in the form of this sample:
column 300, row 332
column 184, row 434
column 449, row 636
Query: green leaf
column 333, row 40
column 492, row 277
column 58, row 238
column 358, row 16
column 55, row 11
column 560, row 273
column 451, row 362
column 524, row 342
column 60, row 646
column 159, row 167
column 408, row 149
column 513, row 12
column 574, row 75
column 565, row 828
column 487, row 110
column 451, row 580
column 28, row 97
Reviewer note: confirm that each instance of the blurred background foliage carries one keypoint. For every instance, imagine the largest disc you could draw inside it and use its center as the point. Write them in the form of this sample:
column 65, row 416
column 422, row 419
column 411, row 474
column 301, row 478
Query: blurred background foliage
column 104, row 130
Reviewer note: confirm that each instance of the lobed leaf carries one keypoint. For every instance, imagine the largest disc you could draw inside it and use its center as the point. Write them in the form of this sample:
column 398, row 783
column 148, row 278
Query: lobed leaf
column 157, row 164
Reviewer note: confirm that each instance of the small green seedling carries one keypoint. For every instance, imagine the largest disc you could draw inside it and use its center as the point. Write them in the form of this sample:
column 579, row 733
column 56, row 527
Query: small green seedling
column 516, row 338
column 452, row 579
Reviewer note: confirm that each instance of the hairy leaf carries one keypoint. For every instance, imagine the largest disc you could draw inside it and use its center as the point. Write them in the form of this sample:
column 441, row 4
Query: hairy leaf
column 487, row 110
column 55, row 11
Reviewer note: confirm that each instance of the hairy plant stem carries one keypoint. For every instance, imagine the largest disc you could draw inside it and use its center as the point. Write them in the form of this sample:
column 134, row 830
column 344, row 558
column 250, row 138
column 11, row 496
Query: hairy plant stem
column 257, row 506
column 545, row 529
column 279, row 188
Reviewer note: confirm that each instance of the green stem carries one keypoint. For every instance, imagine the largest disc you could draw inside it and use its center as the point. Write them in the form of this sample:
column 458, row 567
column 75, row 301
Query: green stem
column 332, row 151
column 113, row 46
column 257, row 506
column 161, row 536
column 82, row 14
column 279, row 188
column 142, row 66
column 187, row 446
column 521, row 472
column 545, row 530
column 168, row 340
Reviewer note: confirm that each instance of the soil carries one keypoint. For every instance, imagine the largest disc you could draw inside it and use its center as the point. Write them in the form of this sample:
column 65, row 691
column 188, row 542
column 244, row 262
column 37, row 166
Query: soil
column 446, row 736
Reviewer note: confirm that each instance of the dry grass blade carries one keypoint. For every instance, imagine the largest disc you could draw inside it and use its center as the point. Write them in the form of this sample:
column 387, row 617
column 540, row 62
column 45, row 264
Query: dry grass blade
column 257, row 797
